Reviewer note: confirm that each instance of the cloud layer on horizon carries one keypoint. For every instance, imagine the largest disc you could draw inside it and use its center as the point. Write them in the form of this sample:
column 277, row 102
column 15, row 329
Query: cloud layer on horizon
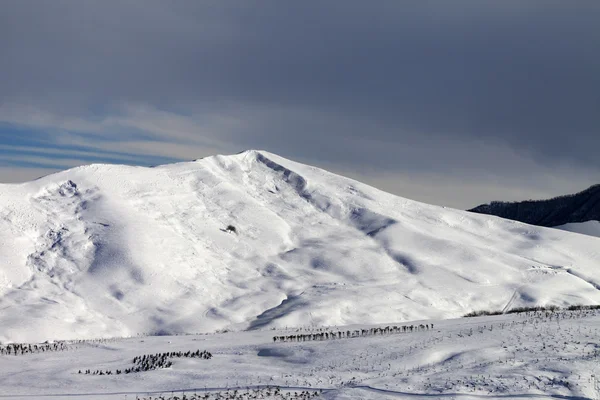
column 451, row 103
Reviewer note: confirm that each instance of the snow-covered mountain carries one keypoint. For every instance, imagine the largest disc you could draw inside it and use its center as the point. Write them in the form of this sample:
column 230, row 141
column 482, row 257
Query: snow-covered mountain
column 107, row 250
column 591, row 228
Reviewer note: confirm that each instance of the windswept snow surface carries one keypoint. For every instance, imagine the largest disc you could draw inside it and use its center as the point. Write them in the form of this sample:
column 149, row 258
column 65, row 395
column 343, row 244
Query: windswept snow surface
column 591, row 228
column 107, row 250
column 537, row 355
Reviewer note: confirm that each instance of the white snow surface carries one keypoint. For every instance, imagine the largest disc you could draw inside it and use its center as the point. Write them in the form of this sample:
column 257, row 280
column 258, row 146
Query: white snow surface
column 591, row 228
column 110, row 250
column 516, row 356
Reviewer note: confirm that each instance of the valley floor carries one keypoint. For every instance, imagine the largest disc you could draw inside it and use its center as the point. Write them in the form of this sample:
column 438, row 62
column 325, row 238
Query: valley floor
column 526, row 355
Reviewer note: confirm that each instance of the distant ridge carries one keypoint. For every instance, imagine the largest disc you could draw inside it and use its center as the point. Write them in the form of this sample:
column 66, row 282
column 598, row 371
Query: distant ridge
column 574, row 208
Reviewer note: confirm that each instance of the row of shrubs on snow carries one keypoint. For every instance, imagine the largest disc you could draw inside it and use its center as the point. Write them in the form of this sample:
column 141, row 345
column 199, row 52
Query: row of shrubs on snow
column 59, row 345
column 269, row 392
column 532, row 309
column 28, row 348
column 149, row 362
column 330, row 335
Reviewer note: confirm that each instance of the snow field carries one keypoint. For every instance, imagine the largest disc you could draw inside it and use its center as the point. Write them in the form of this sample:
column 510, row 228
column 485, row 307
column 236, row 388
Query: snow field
column 530, row 355
column 591, row 228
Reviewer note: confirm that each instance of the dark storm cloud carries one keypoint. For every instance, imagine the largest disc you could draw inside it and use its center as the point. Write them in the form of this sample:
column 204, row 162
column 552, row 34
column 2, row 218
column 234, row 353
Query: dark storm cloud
column 340, row 81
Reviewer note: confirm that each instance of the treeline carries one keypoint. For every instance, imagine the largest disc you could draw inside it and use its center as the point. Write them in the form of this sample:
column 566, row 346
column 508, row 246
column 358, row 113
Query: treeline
column 579, row 207
column 331, row 335
column 549, row 309
column 149, row 362
column 17, row 349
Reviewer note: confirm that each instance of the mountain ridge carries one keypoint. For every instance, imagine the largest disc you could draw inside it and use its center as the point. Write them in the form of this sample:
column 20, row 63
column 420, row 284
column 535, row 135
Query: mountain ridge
column 580, row 207
column 109, row 250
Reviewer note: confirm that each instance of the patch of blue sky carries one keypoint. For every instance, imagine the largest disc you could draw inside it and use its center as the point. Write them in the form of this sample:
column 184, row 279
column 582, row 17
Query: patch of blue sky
column 16, row 142
column 11, row 135
column 88, row 158
column 15, row 163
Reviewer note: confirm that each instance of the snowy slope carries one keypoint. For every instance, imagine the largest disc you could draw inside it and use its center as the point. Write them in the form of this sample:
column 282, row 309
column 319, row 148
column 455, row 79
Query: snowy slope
column 106, row 250
column 591, row 228
column 518, row 356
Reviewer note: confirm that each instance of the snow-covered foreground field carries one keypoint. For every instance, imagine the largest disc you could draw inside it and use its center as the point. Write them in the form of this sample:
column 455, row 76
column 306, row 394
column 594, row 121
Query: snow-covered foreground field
column 528, row 355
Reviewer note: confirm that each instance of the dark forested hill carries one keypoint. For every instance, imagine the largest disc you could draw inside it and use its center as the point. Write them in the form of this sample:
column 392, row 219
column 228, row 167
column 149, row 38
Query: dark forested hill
column 580, row 207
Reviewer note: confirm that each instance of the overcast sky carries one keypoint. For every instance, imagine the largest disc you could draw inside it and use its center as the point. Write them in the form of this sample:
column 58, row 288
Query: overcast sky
column 453, row 103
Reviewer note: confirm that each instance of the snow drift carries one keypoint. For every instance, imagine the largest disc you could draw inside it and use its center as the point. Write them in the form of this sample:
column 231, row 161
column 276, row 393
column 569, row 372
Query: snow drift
column 107, row 250
column 591, row 228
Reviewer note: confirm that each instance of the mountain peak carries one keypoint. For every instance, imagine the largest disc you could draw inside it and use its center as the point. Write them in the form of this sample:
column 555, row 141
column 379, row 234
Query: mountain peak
column 111, row 250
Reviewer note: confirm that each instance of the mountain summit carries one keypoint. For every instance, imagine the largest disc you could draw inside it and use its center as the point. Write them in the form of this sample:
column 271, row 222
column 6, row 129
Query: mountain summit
column 254, row 241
